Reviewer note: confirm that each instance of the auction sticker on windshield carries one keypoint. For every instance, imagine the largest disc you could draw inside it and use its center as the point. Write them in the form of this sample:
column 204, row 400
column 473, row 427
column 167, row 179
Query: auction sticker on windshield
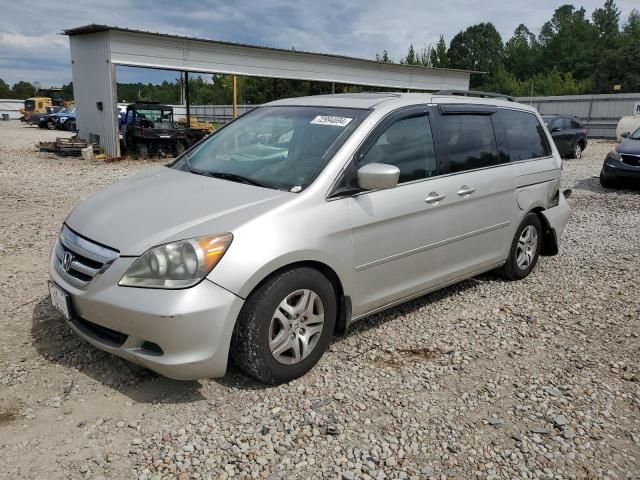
column 333, row 121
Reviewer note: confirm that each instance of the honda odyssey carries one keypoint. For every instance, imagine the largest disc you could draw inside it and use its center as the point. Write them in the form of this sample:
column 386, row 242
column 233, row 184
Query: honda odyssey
column 300, row 217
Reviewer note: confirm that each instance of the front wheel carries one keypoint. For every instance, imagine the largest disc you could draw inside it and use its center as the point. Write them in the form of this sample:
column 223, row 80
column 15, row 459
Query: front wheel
column 51, row 125
column 285, row 326
column 525, row 249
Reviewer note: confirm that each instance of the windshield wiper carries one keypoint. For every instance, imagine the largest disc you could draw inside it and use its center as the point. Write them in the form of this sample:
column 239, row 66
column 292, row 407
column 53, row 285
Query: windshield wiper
column 238, row 178
column 232, row 177
column 228, row 176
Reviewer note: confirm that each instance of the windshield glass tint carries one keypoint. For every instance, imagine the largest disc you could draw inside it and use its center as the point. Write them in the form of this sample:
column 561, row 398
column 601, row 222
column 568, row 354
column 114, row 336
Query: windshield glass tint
column 283, row 147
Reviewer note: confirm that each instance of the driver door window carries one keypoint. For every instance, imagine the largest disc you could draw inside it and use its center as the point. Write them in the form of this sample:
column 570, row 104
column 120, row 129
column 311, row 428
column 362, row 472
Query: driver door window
column 408, row 145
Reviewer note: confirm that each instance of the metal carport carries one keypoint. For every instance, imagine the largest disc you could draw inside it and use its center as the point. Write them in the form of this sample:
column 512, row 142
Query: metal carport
column 97, row 49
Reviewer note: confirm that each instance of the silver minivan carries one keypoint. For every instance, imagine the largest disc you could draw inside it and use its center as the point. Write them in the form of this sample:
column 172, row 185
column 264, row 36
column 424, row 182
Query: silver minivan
column 300, row 217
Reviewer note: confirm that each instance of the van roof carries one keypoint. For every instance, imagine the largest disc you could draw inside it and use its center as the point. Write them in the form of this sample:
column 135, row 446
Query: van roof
column 370, row 100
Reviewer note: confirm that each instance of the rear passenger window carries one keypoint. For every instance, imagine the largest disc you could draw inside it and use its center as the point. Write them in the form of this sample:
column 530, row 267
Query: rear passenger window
column 575, row 124
column 470, row 142
column 407, row 144
column 525, row 136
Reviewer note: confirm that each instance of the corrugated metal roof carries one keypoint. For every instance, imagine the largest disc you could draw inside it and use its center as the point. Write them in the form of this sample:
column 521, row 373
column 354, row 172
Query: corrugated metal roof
column 93, row 28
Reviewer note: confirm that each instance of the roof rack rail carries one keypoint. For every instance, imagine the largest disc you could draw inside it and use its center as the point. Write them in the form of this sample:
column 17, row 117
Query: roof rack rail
column 474, row 93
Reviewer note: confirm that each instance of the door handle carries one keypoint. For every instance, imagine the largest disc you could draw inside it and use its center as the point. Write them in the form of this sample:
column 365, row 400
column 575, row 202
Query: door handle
column 434, row 197
column 466, row 191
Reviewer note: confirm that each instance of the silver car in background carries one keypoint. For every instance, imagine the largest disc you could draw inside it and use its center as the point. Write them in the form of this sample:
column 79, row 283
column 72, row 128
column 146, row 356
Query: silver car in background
column 300, row 217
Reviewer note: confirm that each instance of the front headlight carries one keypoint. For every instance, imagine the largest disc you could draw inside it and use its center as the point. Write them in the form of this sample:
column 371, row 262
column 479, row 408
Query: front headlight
column 179, row 264
column 613, row 155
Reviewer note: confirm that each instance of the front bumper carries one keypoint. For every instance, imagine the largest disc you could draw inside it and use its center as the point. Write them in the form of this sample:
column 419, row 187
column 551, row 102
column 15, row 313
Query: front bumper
column 191, row 327
column 615, row 170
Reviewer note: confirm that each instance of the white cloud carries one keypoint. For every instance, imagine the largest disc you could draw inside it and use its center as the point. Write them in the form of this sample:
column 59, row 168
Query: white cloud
column 21, row 41
column 357, row 28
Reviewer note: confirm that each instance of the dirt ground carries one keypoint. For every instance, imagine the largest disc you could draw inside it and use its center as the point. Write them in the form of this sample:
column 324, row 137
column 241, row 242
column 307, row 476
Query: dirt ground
column 485, row 379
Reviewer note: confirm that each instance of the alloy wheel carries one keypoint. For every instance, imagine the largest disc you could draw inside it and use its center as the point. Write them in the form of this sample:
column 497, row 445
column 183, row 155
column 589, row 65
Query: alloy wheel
column 296, row 326
column 527, row 246
column 577, row 151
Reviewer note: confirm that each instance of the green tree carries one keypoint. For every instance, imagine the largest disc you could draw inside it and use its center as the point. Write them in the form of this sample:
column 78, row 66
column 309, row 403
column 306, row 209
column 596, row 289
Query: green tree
column 384, row 58
column 411, row 58
column 5, row 90
column 521, row 53
column 620, row 67
column 439, row 56
column 607, row 23
column 568, row 43
column 477, row 48
column 23, row 90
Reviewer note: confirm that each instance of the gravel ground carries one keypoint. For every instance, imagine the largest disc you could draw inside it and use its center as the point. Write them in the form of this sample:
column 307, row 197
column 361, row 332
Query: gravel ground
column 485, row 379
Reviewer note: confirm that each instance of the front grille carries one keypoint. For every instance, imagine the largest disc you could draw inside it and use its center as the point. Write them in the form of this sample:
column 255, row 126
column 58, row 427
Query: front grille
column 633, row 160
column 79, row 260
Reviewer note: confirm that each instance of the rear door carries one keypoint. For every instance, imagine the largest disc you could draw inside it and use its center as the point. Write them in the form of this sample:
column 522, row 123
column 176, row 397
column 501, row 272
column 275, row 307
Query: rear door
column 480, row 187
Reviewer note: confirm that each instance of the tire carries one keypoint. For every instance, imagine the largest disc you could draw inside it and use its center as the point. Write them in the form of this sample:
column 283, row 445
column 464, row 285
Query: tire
column 71, row 126
column 51, row 125
column 141, row 150
column 179, row 148
column 577, row 151
column 260, row 328
column 518, row 267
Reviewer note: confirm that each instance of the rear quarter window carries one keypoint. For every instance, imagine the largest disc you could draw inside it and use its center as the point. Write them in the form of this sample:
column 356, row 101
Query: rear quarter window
column 525, row 136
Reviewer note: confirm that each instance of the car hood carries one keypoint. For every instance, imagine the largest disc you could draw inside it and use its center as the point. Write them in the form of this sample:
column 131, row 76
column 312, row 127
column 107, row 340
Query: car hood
column 164, row 205
column 629, row 146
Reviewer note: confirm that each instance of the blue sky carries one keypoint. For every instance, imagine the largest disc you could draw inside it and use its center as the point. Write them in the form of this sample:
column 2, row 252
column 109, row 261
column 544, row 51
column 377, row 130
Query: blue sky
column 33, row 50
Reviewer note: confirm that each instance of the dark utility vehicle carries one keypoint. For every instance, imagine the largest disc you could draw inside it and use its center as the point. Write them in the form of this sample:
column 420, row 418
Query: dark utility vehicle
column 149, row 129
column 568, row 133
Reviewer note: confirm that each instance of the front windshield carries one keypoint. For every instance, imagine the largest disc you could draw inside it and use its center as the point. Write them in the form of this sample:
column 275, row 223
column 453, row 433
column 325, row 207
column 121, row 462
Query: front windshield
column 278, row 147
column 155, row 115
column 635, row 135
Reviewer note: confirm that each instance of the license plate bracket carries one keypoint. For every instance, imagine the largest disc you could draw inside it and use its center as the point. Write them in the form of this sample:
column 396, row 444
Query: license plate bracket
column 60, row 300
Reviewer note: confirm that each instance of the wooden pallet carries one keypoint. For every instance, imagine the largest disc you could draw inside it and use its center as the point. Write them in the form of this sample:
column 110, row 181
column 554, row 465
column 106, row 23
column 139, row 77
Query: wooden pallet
column 67, row 146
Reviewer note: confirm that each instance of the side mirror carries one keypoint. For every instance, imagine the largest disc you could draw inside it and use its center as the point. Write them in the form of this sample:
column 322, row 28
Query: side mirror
column 378, row 176
column 625, row 135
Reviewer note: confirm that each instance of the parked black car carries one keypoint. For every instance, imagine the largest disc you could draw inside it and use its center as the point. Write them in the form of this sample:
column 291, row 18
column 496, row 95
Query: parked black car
column 622, row 165
column 40, row 119
column 569, row 134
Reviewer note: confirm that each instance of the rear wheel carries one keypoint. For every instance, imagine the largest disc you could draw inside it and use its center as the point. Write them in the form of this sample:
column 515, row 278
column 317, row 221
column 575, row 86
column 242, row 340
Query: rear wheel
column 179, row 148
column 577, row 151
column 285, row 326
column 525, row 249
column 141, row 150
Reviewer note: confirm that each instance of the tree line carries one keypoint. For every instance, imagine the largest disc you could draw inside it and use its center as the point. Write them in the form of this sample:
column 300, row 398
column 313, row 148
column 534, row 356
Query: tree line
column 572, row 54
